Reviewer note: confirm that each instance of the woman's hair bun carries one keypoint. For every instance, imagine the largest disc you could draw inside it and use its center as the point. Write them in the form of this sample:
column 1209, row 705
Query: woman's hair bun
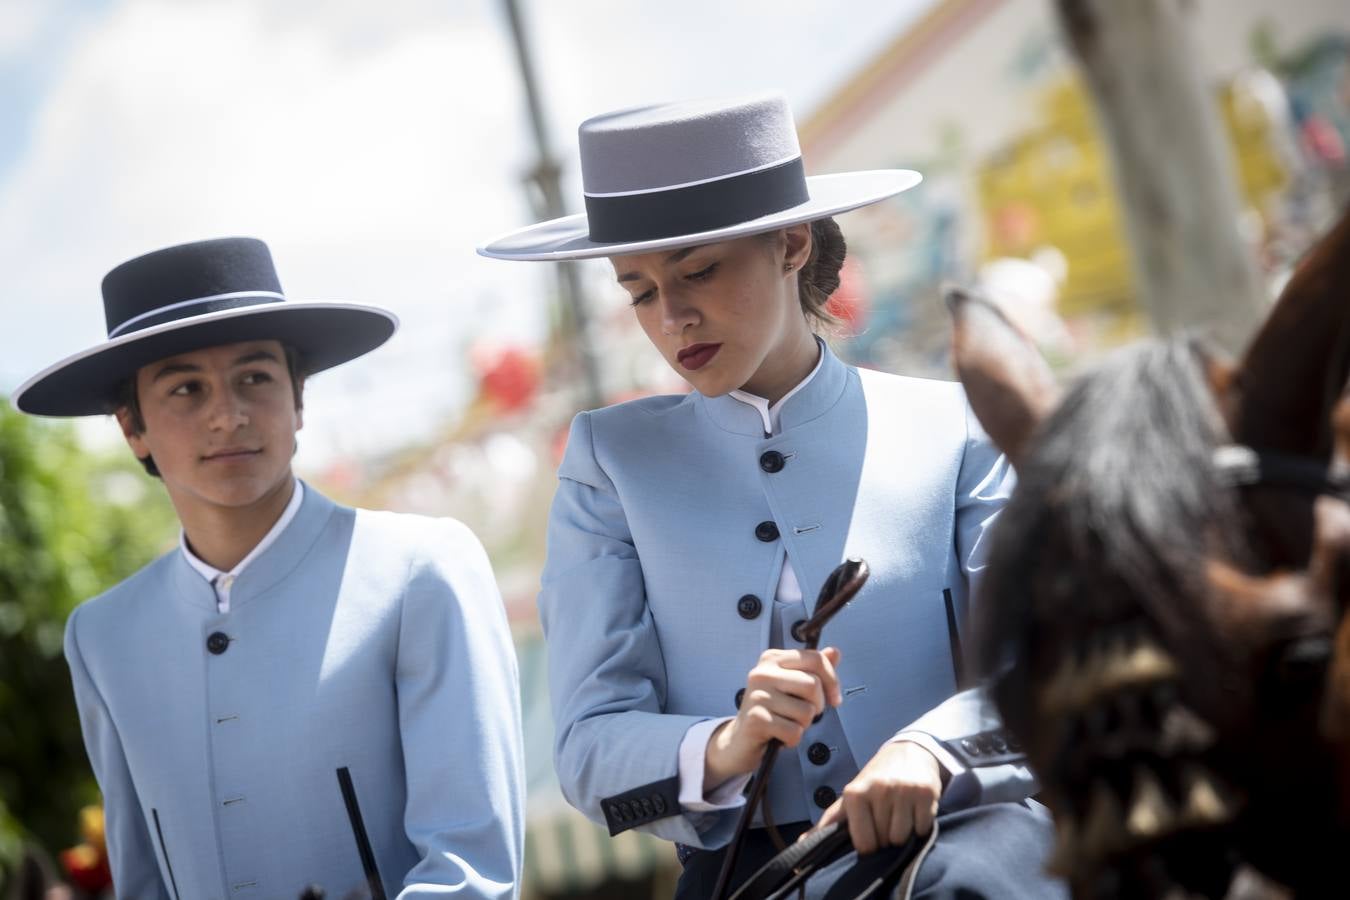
column 819, row 277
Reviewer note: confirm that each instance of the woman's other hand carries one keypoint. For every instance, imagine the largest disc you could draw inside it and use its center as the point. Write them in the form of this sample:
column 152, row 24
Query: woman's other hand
column 895, row 795
column 784, row 693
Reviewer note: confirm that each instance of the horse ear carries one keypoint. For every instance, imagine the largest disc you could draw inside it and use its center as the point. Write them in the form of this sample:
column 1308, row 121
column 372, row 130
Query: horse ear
column 1007, row 381
column 1282, row 394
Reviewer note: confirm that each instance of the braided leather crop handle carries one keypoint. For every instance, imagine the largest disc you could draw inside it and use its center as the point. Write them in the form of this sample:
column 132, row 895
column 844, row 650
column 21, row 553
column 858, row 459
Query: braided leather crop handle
column 839, row 588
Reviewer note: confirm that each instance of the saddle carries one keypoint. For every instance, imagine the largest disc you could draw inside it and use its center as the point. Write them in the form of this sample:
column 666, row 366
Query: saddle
column 824, row 864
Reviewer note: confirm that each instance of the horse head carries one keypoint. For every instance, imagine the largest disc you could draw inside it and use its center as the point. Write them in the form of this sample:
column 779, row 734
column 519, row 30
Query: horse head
column 1163, row 610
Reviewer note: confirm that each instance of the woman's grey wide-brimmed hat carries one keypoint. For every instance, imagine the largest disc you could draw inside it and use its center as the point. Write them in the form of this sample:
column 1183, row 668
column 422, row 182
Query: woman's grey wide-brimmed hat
column 678, row 174
column 190, row 297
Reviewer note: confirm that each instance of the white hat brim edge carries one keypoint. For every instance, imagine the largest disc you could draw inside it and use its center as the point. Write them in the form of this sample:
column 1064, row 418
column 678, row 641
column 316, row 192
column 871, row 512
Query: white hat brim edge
column 852, row 190
column 189, row 322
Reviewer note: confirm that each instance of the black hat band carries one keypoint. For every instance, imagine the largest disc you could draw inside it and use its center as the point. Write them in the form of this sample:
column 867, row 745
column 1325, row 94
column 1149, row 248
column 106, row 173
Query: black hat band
column 695, row 208
column 192, row 308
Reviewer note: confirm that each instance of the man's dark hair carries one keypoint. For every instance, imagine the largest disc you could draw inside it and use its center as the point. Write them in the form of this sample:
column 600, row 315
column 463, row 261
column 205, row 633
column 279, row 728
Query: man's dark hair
column 125, row 395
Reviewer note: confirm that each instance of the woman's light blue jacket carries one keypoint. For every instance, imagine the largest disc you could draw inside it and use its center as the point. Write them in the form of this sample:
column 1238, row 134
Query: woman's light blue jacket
column 657, row 530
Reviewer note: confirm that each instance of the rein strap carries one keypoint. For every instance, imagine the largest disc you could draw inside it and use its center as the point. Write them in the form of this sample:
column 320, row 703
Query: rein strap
column 1238, row 465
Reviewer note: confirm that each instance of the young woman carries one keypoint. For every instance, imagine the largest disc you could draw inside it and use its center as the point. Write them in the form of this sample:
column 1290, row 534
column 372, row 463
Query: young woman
column 690, row 532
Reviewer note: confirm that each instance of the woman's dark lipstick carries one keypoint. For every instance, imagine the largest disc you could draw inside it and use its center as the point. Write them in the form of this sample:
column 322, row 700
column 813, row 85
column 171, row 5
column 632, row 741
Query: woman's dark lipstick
column 696, row 356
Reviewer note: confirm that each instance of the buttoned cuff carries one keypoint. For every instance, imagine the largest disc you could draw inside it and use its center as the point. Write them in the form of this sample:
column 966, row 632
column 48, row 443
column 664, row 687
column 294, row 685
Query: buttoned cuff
column 946, row 760
column 693, row 756
column 640, row 806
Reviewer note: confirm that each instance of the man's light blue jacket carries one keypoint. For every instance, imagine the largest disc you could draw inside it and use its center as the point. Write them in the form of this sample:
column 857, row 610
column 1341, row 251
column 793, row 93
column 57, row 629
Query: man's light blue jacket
column 365, row 641
column 668, row 513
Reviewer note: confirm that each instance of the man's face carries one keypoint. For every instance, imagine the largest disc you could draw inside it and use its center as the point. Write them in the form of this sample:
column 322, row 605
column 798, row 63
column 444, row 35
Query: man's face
column 220, row 423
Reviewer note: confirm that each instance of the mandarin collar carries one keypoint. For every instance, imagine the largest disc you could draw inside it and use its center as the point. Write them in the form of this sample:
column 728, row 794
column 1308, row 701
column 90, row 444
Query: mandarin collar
column 211, row 573
column 272, row 565
column 770, row 412
column 815, row 397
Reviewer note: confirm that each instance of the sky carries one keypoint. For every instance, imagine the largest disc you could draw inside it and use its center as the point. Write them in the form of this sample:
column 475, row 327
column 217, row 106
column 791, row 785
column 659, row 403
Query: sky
column 372, row 145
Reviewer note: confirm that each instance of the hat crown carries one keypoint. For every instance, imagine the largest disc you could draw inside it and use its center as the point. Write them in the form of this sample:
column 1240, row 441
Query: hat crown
column 190, row 297
column 671, row 144
column 186, row 280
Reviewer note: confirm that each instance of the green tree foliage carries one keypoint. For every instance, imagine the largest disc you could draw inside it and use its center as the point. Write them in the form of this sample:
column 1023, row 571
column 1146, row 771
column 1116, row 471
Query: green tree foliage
column 72, row 524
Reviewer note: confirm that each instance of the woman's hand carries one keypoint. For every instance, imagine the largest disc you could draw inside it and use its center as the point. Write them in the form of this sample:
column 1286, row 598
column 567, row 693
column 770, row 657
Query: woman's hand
column 895, row 795
column 786, row 690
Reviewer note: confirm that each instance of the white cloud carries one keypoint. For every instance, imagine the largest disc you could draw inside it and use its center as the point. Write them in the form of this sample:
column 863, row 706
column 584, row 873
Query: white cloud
column 20, row 25
column 372, row 146
column 372, row 173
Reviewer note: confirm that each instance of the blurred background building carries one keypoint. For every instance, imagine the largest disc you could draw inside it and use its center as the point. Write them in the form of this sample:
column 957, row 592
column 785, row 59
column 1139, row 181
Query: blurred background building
column 981, row 96
column 467, row 415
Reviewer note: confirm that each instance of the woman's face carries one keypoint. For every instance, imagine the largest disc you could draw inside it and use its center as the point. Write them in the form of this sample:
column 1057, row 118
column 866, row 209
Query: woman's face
column 726, row 315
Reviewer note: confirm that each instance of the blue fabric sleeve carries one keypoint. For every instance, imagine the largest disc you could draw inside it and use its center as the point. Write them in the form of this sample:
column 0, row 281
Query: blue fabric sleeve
column 131, row 850
column 606, row 671
column 459, row 715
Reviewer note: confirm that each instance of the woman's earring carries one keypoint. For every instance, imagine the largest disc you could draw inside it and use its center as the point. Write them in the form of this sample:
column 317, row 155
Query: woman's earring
column 787, row 267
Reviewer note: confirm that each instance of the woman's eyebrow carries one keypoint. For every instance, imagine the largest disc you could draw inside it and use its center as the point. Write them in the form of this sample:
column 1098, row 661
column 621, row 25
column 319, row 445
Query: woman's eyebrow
column 670, row 260
column 681, row 254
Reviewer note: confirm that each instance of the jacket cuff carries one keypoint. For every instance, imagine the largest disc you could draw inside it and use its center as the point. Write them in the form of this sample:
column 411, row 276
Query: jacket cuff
column 694, row 796
column 952, row 766
column 642, row 805
column 995, row 747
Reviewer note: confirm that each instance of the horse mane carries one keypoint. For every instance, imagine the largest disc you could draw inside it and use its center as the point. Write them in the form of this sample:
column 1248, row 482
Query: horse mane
column 1119, row 484
column 1102, row 550
column 1157, row 638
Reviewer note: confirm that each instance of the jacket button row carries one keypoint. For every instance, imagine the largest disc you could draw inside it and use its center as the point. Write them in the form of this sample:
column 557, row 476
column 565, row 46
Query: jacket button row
column 818, row 753
column 772, row 461
column 218, row 642
column 988, row 744
column 639, row 807
column 824, row 796
column 749, row 606
column 766, row 531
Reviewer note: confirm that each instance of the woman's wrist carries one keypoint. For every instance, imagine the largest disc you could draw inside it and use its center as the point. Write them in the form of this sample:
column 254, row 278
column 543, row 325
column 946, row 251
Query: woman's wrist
column 718, row 767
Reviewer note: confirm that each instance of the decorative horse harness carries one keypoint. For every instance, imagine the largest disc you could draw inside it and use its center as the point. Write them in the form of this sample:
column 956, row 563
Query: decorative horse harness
column 1240, row 466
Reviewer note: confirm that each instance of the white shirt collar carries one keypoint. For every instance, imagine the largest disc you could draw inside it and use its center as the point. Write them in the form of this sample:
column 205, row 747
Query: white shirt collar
column 772, row 413
column 211, row 573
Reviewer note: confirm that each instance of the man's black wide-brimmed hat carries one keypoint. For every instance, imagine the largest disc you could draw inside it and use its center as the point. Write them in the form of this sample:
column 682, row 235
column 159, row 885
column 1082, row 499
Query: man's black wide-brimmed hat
column 191, row 297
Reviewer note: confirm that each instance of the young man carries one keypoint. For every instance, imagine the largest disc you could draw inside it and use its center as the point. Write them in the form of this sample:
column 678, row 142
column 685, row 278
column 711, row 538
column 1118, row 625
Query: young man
column 300, row 693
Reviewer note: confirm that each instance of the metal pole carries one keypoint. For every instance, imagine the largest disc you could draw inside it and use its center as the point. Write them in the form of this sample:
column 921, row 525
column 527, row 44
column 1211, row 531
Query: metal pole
column 545, row 176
